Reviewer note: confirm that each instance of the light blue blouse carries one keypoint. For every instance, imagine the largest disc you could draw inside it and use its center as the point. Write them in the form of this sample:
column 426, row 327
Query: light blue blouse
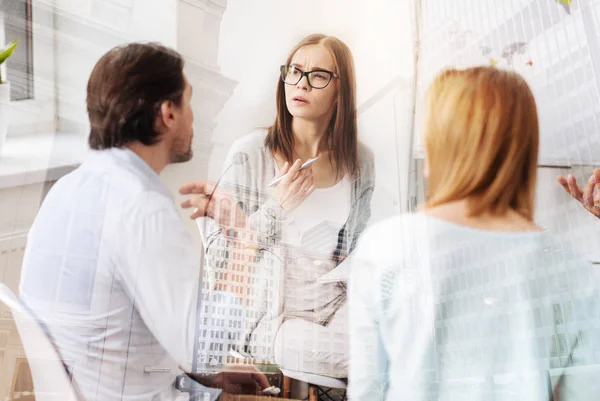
column 440, row 311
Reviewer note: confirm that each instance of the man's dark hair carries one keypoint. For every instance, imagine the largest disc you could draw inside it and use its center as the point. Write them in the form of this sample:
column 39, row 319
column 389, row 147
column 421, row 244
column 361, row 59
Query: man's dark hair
column 125, row 92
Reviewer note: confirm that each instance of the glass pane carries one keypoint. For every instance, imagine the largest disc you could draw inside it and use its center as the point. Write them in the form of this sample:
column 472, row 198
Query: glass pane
column 19, row 68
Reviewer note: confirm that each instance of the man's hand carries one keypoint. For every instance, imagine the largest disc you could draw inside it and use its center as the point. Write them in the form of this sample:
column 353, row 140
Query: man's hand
column 206, row 201
column 240, row 379
column 589, row 196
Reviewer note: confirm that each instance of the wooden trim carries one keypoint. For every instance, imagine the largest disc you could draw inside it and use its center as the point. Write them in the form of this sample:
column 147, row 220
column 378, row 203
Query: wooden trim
column 287, row 387
column 19, row 360
column 312, row 394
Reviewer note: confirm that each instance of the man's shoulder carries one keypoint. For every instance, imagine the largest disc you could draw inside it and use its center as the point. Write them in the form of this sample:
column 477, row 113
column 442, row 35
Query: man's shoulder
column 111, row 191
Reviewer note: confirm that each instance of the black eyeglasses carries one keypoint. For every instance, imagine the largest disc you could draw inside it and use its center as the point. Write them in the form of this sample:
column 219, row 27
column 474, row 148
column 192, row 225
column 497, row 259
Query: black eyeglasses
column 317, row 79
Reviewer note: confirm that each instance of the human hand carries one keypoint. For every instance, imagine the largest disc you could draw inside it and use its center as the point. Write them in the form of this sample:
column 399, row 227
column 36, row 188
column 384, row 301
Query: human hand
column 241, row 379
column 295, row 187
column 205, row 199
column 589, row 196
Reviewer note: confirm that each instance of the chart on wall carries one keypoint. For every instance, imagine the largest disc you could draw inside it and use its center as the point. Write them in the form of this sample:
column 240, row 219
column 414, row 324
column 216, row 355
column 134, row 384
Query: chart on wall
column 553, row 44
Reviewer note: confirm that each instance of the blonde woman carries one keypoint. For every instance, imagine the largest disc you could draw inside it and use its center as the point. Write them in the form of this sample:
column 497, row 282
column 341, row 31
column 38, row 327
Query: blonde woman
column 469, row 298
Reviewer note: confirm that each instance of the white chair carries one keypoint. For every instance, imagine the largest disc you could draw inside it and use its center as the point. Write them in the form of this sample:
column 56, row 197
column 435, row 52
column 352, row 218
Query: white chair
column 319, row 386
column 50, row 379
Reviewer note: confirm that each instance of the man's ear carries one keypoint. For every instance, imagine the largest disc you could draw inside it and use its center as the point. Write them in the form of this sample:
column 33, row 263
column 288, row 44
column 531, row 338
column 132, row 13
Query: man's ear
column 166, row 114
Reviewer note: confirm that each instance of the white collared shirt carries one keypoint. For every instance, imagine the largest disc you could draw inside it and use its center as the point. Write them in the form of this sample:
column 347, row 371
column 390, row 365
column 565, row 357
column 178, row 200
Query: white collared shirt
column 113, row 272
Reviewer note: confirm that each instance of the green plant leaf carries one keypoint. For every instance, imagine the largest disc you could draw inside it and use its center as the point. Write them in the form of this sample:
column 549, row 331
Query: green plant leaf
column 8, row 51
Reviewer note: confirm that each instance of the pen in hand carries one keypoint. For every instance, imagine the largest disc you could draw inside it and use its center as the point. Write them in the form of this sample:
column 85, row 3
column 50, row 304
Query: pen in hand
column 306, row 164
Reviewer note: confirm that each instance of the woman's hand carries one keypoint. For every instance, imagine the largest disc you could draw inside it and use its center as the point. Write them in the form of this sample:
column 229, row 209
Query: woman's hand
column 295, row 188
column 588, row 197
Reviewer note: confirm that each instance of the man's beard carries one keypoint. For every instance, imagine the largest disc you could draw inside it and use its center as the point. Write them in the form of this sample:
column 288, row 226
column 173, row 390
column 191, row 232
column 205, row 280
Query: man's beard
column 179, row 156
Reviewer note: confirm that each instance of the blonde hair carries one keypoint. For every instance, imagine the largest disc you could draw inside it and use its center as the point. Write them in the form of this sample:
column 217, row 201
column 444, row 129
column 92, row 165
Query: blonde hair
column 342, row 133
column 481, row 137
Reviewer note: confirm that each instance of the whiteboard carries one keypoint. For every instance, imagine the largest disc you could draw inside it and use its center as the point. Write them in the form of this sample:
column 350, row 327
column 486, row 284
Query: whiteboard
column 553, row 44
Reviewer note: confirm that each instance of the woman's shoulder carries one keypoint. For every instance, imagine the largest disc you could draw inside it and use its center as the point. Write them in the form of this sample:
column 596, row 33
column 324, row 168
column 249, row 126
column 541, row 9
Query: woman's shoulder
column 365, row 154
column 366, row 161
column 385, row 250
column 253, row 141
column 553, row 244
column 389, row 238
column 252, row 148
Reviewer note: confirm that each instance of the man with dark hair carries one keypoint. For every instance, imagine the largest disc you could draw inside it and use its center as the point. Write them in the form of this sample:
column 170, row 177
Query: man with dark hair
column 109, row 266
column 123, row 107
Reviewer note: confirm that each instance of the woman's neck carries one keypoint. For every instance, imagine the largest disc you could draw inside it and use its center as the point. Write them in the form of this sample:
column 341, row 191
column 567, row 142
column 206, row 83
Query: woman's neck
column 458, row 212
column 309, row 138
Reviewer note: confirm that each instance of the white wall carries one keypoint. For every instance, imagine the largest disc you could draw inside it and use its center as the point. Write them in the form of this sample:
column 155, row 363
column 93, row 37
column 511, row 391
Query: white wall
column 86, row 29
column 198, row 29
column 142, row 19
column 388, row 127
column 256, row 37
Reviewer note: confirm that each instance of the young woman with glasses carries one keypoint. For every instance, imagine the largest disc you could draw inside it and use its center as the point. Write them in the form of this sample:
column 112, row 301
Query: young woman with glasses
column 308, row 222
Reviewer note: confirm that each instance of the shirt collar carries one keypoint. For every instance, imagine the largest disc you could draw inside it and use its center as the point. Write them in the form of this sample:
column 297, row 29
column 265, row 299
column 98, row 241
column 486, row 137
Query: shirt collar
column 132, row 159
